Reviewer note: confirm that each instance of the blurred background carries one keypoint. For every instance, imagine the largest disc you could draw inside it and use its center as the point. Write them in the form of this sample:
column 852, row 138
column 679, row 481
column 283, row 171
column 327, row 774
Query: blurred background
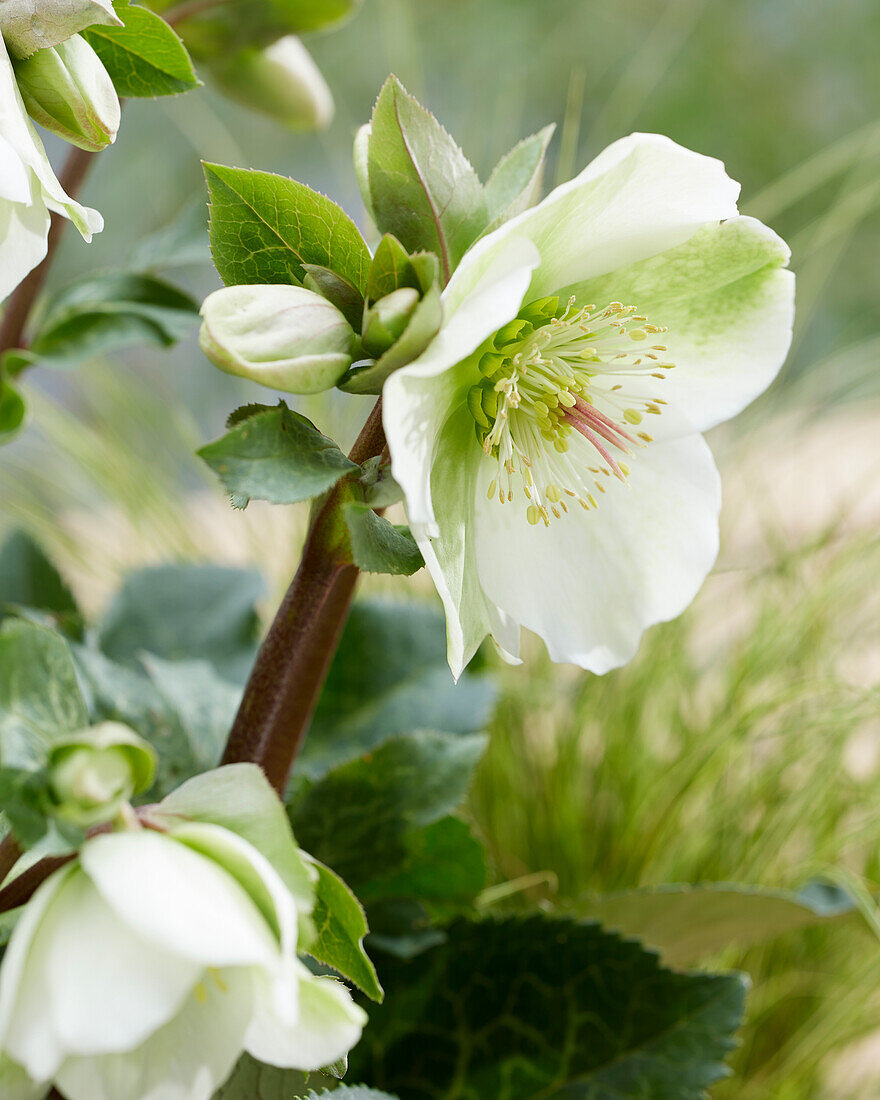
column 743, row 744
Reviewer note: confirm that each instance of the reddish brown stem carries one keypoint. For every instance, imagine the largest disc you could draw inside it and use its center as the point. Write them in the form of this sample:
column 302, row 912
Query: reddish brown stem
column 292, row 664
column 9, row 855
column 21, row 301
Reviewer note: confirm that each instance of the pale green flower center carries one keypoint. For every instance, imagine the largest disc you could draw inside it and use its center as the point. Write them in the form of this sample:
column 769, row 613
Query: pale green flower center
column 560, row 391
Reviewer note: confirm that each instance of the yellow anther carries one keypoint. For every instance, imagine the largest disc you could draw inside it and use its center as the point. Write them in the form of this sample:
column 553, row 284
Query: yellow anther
column 533, row 514
column 552, row 493
column 633, row 416
column 592, row 500
column 493, row 485
column 638, row 334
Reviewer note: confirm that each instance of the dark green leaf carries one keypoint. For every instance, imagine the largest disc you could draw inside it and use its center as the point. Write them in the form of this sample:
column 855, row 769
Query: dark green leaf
column 340, row 925
column 251, row 1080
column 347, row 298
column 367, row 701
column 688, row 923
column 145, row 57
column 186, row 612
column 266, row 228
column 378, row 546
column 516, row 182
column 28, row 577
column 276, row 455
column 543, row 1008
column 100, row 313
column 367, row 818
column 422, row 186
column 239, row 23
column 12, row 410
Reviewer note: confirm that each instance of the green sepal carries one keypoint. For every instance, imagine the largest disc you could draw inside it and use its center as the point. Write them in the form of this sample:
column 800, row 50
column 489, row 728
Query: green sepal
column 338, row 290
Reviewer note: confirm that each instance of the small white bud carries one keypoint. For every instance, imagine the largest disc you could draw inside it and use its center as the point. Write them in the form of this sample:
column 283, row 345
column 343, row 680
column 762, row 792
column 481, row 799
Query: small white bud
column 67, row 90
column 31, row 25
column 284, row 337
column 281, row 81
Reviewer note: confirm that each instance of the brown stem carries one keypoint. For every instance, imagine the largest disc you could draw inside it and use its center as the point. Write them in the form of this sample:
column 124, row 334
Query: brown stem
column 24, row 886
column 190, row 8
column 21, row 301
column 292, row 664
column 9, row 855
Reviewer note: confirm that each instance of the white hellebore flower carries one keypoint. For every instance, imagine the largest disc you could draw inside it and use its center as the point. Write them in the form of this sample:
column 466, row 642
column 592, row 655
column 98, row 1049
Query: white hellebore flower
column 548, row 440
column 145, row 968
column 28, row 188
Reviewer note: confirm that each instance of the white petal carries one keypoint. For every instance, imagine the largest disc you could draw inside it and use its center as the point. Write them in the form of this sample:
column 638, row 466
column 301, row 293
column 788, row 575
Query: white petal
column 18, row 131
column 451, row 558
column 729, row 307
column 14, row 177
column 18, row 994
column 181, row 900
column 188, row 1059
column 329, row 1025
column 30, row 25
column 254, row 873
column 24, row 231
column 643, row 195
column 109, row 988
column 16, row 1085
column 417, row 398
column 592, row 582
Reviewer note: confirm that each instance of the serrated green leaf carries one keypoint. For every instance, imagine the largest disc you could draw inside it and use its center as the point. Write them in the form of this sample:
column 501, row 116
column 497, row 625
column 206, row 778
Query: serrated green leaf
column 689, row 923
column 340, row 927
column 265, row 228
column 251, row 1080
column 277, row 455
column 28, row 578
column 186, row 612
column 378, row 546
column 516, row 182
column 145, row 58
column 546, row 1008
column 40, row 699
column 422, row 187
column 367, row 818
column 101, row 313
column 365, row 702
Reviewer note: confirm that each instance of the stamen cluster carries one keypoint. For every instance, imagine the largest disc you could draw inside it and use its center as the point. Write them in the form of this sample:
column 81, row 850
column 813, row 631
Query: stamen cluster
column 554, row 376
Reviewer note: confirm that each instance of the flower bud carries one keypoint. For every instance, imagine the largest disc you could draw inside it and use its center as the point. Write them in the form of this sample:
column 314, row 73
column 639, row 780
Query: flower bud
column 386, row 321
column 281, row 81
column 31, row 25
column 67, row 90
column 284, row 337
column 93, row 772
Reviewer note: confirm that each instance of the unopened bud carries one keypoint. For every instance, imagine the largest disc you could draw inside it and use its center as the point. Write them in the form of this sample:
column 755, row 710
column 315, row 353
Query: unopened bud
column 386, row 321
column 284, row 337
column 93, row 772
column 31, row 25
column 281, row 81
column 67, row 90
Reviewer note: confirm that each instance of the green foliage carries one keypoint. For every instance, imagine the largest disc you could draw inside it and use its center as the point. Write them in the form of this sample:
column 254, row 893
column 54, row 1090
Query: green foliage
column 422, row 187
column 29, row 579
column 266, row 228
column 278, row 455
column 366, row 702
column 540, row 1007
column 144, row 58
column 238, row 23
column 517, row 180
column 689, row 924
column 340, row 927
column 185, row 612
column 251, row 1080
column 101, row 313
column 378, row 546
column 12, row 410
column 338, row 290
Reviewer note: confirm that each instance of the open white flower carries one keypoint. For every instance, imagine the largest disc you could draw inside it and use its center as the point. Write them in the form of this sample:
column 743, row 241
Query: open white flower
column 29, row 189
column 143, row 970
column 548, row 440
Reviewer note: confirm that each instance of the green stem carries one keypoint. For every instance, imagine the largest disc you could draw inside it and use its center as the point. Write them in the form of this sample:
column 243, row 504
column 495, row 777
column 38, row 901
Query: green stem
column 21, row 301
column 292, row 664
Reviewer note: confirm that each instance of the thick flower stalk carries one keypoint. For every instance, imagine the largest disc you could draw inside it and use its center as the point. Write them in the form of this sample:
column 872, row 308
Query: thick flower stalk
column 548, row 441
column 145, row 967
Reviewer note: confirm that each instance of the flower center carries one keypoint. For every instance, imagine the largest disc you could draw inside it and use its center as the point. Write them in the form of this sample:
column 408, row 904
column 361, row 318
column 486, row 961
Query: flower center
column 556, row 376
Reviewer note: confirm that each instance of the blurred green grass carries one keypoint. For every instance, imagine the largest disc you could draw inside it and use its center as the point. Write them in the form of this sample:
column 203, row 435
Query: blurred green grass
column 742, row 744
